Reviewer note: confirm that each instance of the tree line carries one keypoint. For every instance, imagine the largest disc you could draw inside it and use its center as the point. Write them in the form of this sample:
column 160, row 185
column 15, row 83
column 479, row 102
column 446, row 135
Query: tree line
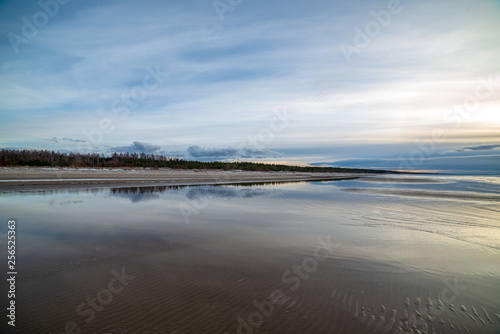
column 45, row 158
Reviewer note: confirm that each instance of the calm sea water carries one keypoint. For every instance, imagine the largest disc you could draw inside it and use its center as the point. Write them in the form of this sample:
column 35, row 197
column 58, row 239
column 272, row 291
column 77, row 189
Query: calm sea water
column 431, row 242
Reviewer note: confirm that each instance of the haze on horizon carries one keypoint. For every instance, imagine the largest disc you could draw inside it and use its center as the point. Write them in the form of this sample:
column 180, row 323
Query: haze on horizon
column 373, row 84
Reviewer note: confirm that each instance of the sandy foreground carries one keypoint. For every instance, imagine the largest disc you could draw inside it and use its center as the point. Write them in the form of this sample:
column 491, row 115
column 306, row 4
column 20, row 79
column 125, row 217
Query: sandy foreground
column 282, row 261
column 32, row 178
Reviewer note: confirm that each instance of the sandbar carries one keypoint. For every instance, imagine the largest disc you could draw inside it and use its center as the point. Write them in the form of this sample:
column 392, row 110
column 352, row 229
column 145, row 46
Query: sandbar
column 34, row 178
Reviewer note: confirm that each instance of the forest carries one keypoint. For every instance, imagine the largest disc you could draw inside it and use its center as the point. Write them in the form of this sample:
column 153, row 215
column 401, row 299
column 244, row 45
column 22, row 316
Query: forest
column 45, row 158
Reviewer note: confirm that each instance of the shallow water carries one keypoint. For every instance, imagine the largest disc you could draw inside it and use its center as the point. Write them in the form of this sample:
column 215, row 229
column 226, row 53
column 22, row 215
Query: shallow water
column 374, row 255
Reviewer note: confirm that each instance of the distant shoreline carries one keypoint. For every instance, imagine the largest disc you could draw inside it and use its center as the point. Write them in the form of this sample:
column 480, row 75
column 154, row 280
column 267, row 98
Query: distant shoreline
column 40, row 178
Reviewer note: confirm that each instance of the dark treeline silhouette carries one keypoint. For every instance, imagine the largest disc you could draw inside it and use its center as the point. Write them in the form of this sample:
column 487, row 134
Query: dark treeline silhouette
column 37, row 158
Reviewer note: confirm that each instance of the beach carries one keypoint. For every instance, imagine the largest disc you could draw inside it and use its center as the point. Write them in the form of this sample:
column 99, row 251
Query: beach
column 159, row 255
column 32, row 178
column 250, row 167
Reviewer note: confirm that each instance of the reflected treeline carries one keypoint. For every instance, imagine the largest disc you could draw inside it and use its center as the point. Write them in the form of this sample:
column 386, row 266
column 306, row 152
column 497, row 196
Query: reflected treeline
column 54, row 202
column 226, row 192
column 143, row 190
column 123, row 191
column 50, row 192
column 161, row 189
column 138, row 197
column 142, row 194
column 263, row 183
column 239, row 190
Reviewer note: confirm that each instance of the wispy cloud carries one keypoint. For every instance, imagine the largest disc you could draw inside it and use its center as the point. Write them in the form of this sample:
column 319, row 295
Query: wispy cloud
column 480, row 148
column 66, row 140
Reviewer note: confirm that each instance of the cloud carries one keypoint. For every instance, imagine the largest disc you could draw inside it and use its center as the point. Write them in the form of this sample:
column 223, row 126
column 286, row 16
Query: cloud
column 227, row 76
column 259, row 153
column 137, row 146
column 137, row 197
column 201, row 152
column 480, row 148
column 65, row 139
column 205, row 153
column 177, row 154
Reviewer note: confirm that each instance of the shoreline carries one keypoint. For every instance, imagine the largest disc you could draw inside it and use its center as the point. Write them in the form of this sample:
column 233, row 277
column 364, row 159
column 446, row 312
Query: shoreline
column 42, row 178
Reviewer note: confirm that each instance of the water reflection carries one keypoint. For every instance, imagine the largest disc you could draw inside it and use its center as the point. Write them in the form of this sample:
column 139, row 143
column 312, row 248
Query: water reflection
column 453, row 195
column 52, row 192
column 226, row 192
column 142, row 194
column 143, row 190
column 69, row 202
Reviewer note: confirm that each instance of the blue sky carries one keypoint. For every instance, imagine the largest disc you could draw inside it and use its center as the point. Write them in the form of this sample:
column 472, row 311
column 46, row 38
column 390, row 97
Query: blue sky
column 415, row 84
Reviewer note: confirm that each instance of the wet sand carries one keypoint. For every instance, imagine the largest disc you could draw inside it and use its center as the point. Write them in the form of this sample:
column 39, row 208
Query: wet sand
column 455, row 195
column 33, row 178
column 212, row 284
column 249, row 262
column 395, row 178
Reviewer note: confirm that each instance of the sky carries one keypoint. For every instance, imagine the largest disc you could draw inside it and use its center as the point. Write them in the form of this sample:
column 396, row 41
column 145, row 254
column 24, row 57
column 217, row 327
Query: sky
column 407, row 85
